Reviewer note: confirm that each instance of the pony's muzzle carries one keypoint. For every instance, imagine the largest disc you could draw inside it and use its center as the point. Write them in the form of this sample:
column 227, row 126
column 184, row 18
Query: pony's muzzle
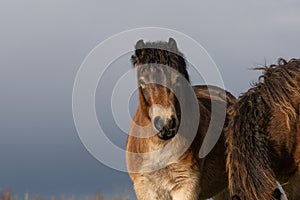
column 164, row 121
column 166, row 129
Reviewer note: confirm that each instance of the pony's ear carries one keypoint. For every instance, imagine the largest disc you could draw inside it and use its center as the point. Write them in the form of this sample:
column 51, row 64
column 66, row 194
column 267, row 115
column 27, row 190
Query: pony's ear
column 172, row 44
column 133, row 60
column 140, row 44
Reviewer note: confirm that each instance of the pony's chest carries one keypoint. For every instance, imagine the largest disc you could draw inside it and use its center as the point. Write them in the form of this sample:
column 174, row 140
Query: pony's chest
column 167, row 184
column 164, row 179
column 170, row 179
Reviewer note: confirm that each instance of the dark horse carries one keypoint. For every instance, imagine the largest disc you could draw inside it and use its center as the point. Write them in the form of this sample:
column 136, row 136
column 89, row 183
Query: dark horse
column 263, row 136
column 157, row 125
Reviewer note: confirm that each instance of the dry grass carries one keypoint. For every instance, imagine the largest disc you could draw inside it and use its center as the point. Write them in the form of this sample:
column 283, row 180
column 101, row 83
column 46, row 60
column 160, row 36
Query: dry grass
column 8, row 195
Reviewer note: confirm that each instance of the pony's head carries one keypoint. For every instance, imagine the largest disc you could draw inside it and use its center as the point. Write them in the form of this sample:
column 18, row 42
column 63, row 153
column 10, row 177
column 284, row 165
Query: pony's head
column 161, row 69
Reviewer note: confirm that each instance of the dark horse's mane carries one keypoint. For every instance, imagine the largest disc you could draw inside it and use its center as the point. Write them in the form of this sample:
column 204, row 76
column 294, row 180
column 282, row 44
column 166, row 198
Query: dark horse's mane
column 159, row 52
column 248, row 159
column 279, row 84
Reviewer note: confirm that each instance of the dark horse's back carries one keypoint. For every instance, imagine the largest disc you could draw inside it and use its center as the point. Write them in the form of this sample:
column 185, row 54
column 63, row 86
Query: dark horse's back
column 206, row 93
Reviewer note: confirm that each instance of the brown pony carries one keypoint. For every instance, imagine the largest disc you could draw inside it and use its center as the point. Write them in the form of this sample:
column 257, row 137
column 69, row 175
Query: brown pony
column 177, row 172
column 263, row 136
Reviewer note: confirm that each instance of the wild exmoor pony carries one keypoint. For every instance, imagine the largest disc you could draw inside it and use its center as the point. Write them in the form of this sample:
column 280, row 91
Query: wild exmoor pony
column 156, row 127
column 263, row 136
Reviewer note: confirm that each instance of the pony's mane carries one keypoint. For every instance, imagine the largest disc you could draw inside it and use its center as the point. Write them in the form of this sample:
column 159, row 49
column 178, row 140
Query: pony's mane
column 165, row 53
column 248, row 164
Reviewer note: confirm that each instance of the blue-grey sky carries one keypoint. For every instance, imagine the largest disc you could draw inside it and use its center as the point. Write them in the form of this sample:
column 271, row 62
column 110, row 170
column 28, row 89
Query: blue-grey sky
column 43, row 43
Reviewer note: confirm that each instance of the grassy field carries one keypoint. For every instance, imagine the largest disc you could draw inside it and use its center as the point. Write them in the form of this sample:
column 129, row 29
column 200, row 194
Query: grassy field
column 8, row 195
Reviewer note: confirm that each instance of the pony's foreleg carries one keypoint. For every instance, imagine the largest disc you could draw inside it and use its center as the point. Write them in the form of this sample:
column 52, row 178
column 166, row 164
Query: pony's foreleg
column 147, row 190
column 149, row 194
column 188, row 191
column 185, row 195
column 224, row 195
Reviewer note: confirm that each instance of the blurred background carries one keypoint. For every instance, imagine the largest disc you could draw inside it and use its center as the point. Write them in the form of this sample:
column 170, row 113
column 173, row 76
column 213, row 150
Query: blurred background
column 43, row 43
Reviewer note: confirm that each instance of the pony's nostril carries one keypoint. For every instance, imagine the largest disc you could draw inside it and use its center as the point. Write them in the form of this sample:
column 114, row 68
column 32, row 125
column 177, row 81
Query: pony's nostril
column 158, row 123
column 172, row 123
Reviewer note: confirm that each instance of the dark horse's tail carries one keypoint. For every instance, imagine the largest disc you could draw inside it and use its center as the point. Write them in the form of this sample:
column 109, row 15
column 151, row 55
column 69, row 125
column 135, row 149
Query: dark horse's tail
column 248, row 164
column 249, row 172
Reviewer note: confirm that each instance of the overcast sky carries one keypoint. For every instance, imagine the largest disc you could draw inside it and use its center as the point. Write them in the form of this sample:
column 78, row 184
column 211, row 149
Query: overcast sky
column 43, row 43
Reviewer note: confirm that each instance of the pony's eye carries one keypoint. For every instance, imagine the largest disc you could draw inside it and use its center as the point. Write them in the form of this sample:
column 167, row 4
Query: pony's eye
column 178, row 82
column 142, row 83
